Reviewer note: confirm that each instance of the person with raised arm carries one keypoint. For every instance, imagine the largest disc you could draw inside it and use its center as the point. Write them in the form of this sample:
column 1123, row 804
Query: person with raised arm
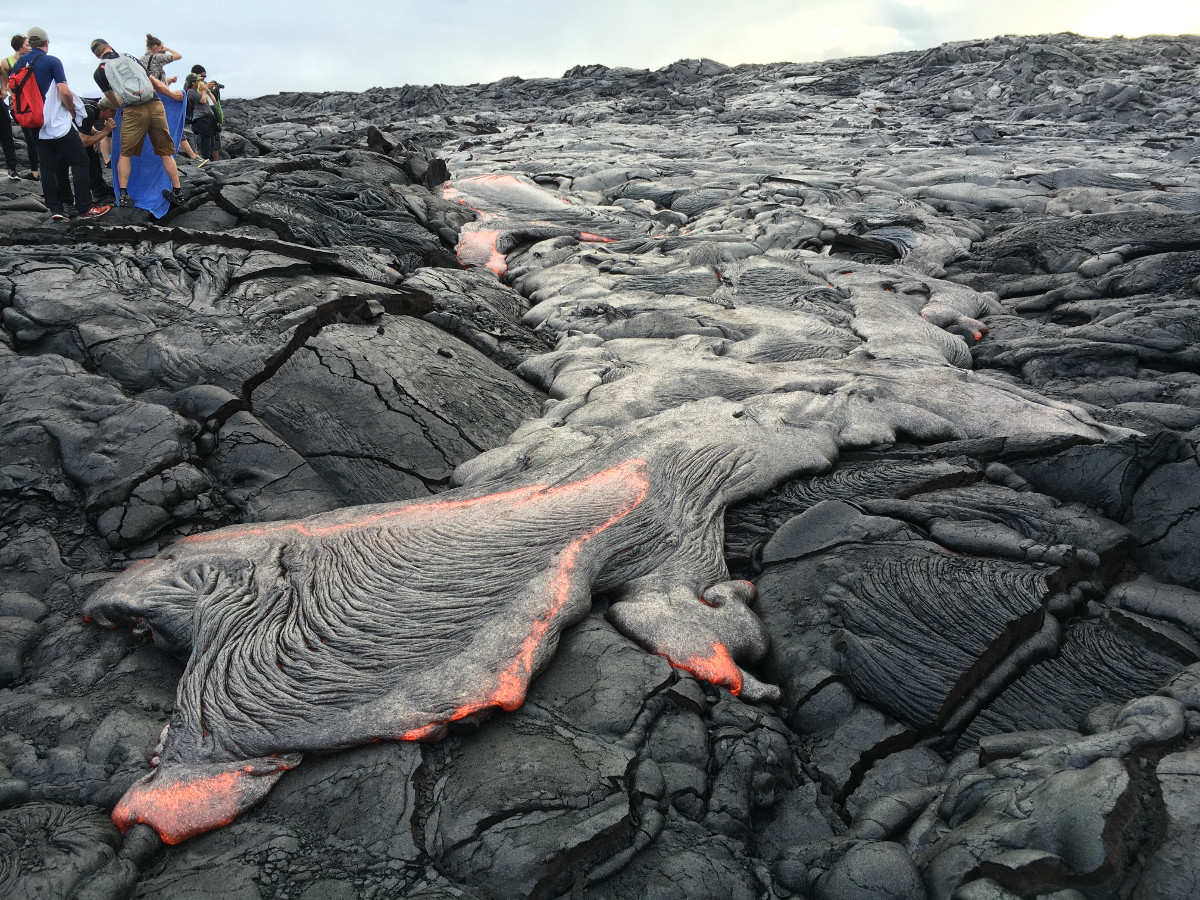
column 126, row 83
column 157, row 56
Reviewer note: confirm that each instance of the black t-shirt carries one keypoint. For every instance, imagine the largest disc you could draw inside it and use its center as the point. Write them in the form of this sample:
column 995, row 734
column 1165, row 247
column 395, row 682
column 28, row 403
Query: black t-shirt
column 91, row 117
column 100, row 78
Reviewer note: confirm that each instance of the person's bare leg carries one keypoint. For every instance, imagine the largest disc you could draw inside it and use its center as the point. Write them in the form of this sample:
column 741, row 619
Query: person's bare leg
column 172, row 169
column 123, row 167
column 187, row 150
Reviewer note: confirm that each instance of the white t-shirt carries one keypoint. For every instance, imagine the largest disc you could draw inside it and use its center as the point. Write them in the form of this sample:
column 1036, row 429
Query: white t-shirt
column 57, row 118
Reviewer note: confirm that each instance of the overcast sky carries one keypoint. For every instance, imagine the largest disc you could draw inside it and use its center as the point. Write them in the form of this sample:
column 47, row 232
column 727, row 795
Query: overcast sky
column 263, row 46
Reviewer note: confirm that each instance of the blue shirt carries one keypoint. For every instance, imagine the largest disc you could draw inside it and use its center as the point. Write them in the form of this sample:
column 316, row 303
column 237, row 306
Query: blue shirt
column 46, row 69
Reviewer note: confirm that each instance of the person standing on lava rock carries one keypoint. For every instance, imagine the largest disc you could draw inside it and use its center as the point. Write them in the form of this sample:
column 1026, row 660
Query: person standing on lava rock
column 142, row 115
column 20, row 45
column 189, row 135
column 97, row 125
column 203, row 117
column 58, row 138
column 214, row 93
column 6, row 136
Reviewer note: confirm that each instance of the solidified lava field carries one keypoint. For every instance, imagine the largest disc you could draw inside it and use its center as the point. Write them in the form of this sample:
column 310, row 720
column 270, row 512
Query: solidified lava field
column 771, row 481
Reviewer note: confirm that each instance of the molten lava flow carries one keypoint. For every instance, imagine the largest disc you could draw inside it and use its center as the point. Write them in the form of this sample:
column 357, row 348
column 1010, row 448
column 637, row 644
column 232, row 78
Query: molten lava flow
column 513, row 682
column 477, row 249
column 503, row 198
column 630, row 478
column 718, row 668
column 454, row 195
column 180, row 808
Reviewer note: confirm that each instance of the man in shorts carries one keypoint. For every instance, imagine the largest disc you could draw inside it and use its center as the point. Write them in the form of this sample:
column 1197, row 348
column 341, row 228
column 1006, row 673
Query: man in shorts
column 136, row 123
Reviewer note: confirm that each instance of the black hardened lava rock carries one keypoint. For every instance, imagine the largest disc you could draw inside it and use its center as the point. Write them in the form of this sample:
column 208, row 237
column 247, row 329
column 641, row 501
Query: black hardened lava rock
column 771, row 481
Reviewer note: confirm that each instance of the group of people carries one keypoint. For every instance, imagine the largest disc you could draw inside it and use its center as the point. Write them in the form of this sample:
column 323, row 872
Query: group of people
column 69, row 151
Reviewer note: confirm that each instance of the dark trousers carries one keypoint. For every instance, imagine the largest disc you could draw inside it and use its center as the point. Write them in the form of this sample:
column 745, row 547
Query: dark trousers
column 100, row 188
column 31, row 146
column 101, row 192
column 68, row 148
column 6, row 138
column 208, row 144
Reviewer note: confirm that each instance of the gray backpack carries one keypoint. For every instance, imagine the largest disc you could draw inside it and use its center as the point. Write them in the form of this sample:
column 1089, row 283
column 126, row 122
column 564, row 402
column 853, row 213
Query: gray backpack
column 129, row 80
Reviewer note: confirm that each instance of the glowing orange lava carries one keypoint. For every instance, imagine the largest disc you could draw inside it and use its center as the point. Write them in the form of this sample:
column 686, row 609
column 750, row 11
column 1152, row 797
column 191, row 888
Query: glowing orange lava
column 184, row 808
column 630, row 477
column 513, row 682
column 179, row 807
column 718, row 668
column 477, row 249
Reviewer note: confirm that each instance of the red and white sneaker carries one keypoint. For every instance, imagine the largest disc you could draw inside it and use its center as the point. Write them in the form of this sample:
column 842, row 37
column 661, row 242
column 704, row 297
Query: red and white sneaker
column 95, row 212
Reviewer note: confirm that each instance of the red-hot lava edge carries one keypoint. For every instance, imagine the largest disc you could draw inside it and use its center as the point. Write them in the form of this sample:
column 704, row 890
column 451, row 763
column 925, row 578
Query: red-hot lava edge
column 179, row 806
column 190, row 805
column 477, row 249
column 513, row 682
column 718, row 668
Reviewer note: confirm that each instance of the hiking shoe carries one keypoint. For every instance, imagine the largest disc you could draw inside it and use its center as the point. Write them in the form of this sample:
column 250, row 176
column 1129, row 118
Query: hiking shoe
column 95, row 212
column 174, row 196
column 126, row 202
column 13, row 175
column 59, row 217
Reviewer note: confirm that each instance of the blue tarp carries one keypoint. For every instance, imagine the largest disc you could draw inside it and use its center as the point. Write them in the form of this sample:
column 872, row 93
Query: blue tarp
column 147, row 177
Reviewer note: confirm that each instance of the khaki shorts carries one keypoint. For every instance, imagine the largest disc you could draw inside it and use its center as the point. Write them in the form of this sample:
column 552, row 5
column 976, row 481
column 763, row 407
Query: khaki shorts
column 138, row 121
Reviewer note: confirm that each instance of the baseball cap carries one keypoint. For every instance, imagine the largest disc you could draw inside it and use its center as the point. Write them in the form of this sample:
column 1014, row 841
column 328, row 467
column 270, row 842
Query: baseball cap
column 37, row 35
column 97, row 43
column 105, row 103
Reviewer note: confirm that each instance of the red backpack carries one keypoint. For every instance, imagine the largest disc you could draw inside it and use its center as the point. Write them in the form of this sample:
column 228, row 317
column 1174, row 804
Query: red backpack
column 27, row 103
